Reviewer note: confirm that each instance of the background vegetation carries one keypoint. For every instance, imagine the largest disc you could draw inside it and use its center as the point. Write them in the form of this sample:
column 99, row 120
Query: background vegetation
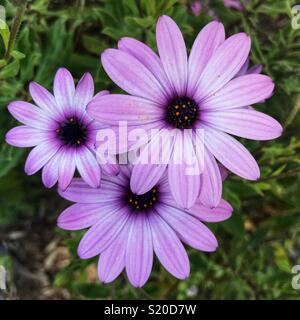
column 261, row 242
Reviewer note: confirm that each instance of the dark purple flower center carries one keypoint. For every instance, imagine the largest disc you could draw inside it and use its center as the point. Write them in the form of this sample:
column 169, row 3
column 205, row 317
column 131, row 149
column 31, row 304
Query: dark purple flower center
column 143, row 201
column 72, row 132
column 182, row 113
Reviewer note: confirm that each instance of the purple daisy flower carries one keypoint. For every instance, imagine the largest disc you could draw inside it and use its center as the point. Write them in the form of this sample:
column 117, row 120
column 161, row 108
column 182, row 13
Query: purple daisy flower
column 195, row 92
column 60, row 130
column 126, row 228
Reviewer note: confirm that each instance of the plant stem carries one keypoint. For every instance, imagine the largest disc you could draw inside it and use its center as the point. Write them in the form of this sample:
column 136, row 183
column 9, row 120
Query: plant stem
column 15, row 28
column 293, row 113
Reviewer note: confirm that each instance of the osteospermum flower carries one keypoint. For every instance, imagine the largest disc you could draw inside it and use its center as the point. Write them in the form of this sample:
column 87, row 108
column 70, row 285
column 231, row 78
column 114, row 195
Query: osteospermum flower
column 126, row 228
column 196, row 92
column 61, row 131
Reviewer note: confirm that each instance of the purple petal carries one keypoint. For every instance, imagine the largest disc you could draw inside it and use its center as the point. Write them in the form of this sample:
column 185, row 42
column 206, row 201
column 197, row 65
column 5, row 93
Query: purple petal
column 112, row 260
column 190, row 230
column 113, row 108
column 45, row 100
column 224, row 65
column 149, row 59
column 223, row 172
column 139, row 251
column 211, row 189
column 111, row 169
column 30, row 115
column 40, row 155
column 240, row 92
column 205, row 45
column 88, row 166
column 64, row 90
column 221, row 213
column 66, row 167
column 83, row 215
column 243, row 69
column 179, row 178
column 83, row 93
column 168, row 248
column 101, row 235
column 147, row 172
column 23, row 136
column 256, row 69
column 245, row 123
column 79, row 191
column 50, row 170
column 231, row 153
column 172, row 52
column 131, row 75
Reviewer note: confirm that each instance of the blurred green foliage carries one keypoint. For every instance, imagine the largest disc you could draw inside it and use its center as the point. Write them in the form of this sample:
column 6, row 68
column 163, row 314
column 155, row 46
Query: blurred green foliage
column 260, row 244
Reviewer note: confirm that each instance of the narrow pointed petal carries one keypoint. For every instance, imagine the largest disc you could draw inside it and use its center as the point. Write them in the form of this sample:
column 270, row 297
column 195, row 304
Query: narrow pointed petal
column 149, row 59
column 101, row 235
column 205, row 45
column 190, row 230
column 223, row 66
column 221, row 213
column 50, row 170
column 30, row 115
column 112, row 260
column 211, row 189
column 45, row 100
column 88, row 166
column 139, row 251
column 113, row 108
column 24, row 136
column 231, row 153
column 168, row 248
column 172, row 52
column 131, row 75
column 240, row 92
column 80, row 191
column 66, row 167
column 40, row 155
column 83, row 215
column 83, row 93
column 64, row 90
column 245, row 123
column 111, row 169
column 184, row 176
column 147, row 172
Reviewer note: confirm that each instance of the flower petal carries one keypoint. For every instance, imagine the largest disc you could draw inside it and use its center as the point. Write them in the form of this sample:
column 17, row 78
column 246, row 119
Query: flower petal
column 40, row 155
column 88, row 166
column 190, row 230
column 79, row 191
column 211, row 189
column 112, row 260
column 131, row 75
column 66, row 168
column 50, row 170
column 45, row 100
column 113, row 108
column 100, row 236
column 224, row 65
column 231, row 153
column 245, row 123
column 184, row 176
column 30, row 115
column 64, row 90
column 149, row 59
column 83, row 215
column 205, row 45
column 152, row 163
column 172, row 52
column 220, row 213
column 168, row 248
column 139, row 251
column 240, row 92
column 83, row 93
column 24, row 136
